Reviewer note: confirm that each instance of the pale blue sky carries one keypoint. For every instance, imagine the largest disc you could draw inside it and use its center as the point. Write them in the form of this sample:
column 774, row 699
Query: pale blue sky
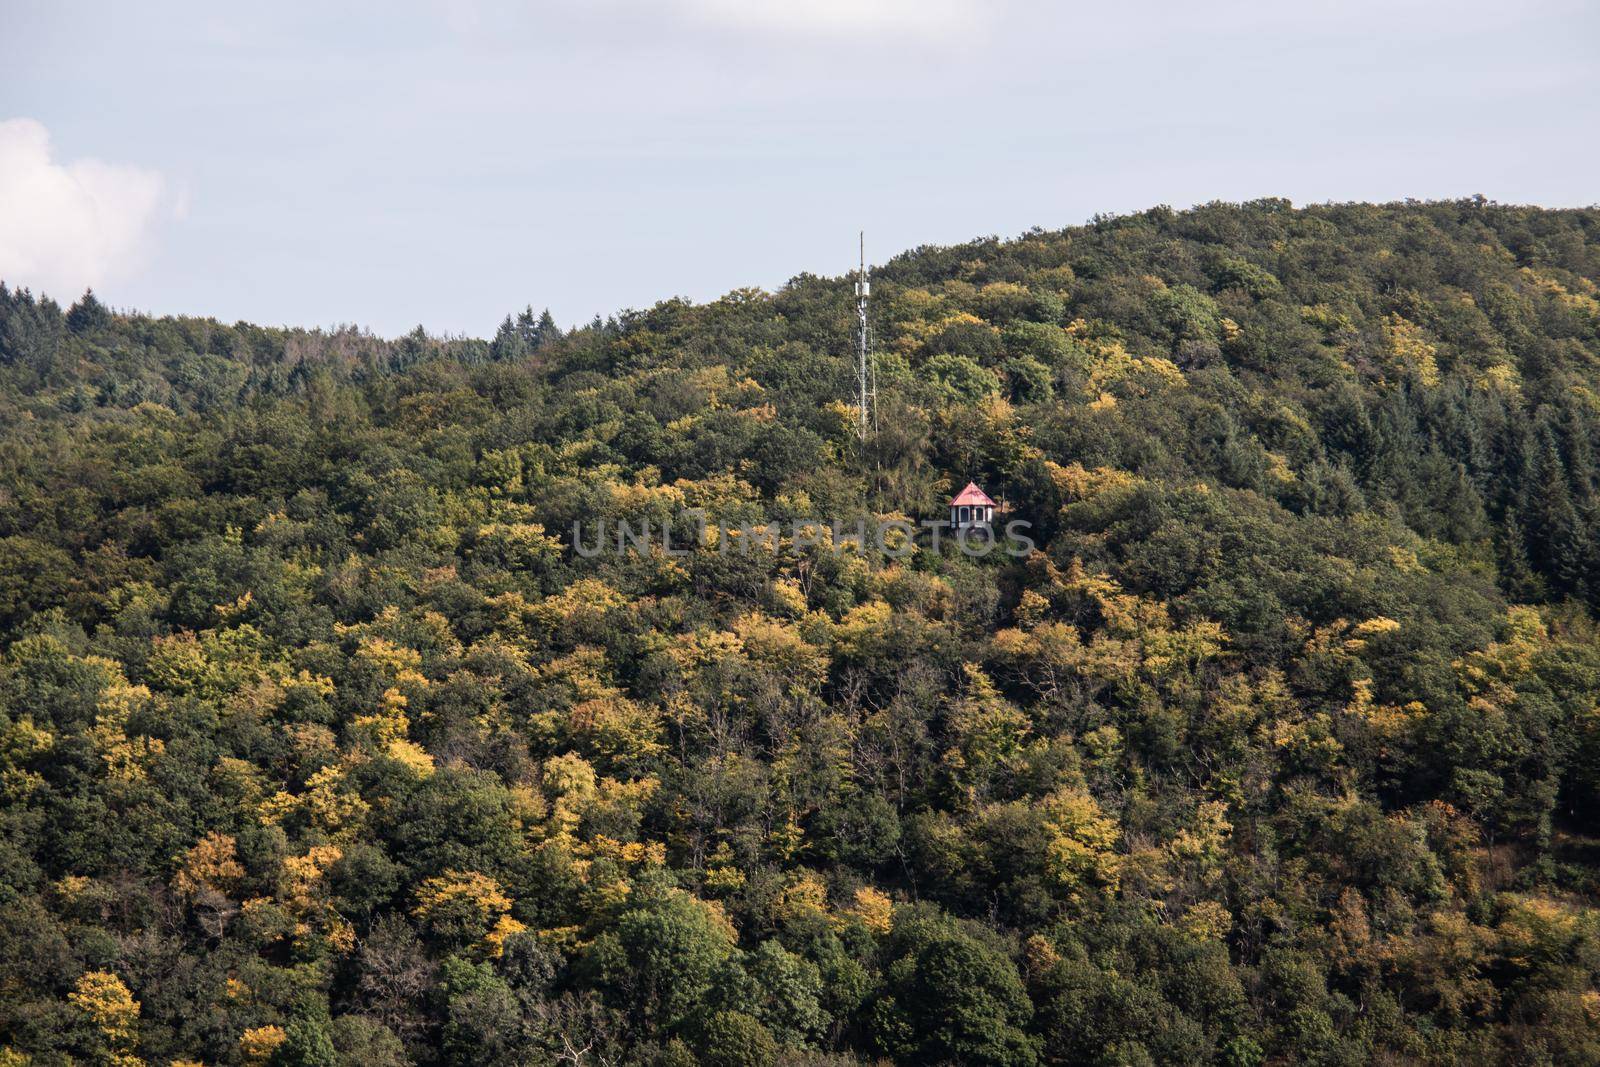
column 403, row 163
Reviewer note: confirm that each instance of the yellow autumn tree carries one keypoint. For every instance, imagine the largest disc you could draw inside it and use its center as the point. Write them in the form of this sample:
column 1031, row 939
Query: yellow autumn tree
column 1202, row 847
column 386, row 730
column 517, row 546
column 989, row 732
column 21, row 742
column 592, row 714
column 211, row 866
column 207, row 880
column 872, row 909
column 805, row 898
column 104, row 998
column 466, row 908
column 1409, row 346
column 780, row 648
column 581, row 605
column 329, row 803
column 257, row 1044
column 1080, row 857
column 126, row 758
column 303, row 909
column 863, row 632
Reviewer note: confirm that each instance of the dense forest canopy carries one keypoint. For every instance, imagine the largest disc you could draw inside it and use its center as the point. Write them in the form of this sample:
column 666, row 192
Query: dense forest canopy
column 320, row 745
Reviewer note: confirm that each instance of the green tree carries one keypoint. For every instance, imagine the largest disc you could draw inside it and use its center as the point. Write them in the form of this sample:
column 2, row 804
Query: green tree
column 949, row 997
column 659, row 960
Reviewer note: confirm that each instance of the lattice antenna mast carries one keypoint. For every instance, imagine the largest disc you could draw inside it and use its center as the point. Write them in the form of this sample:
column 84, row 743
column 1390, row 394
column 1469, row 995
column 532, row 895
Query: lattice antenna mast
column 866, row 370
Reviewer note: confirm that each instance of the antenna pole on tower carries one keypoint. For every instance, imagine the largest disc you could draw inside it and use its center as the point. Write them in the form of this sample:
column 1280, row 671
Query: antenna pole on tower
column 866, row 372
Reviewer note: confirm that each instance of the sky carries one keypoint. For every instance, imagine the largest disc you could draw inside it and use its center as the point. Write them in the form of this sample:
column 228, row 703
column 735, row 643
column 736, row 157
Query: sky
column 444, row 163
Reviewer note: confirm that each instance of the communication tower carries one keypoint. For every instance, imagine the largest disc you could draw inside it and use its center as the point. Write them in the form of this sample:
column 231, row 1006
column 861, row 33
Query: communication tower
column 866, row 368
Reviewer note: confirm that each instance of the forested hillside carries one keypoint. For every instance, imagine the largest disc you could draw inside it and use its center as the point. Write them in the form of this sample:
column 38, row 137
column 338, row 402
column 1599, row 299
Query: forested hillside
column 319, row 744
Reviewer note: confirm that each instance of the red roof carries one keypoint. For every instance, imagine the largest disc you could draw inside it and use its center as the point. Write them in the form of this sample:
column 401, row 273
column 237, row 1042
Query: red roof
column 972, row 495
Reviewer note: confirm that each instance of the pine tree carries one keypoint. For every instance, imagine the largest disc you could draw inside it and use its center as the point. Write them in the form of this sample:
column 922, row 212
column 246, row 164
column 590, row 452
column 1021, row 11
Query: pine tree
column 30, row 330
column 509, row 344
column 527, row 328
column 548, row 331
column 1559, row 533
column 1462, row 508
column 521, row 336
column 87, row 314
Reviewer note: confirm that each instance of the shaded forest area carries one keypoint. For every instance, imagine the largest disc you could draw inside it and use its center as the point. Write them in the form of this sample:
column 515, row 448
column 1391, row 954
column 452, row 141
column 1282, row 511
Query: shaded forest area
column 319, row 744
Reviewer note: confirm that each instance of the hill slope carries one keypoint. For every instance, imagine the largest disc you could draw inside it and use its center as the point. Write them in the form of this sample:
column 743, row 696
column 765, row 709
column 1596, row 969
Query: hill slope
column 320, row 743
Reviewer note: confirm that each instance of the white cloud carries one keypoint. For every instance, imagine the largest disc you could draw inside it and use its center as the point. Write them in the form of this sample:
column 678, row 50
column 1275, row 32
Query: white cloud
column 67, row 226
column 917, row 18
